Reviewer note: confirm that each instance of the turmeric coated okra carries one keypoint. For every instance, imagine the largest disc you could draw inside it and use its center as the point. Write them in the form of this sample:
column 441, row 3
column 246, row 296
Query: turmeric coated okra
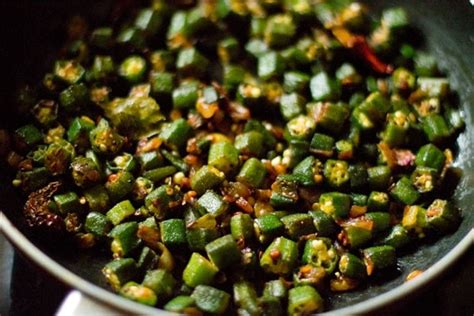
column 240, row 157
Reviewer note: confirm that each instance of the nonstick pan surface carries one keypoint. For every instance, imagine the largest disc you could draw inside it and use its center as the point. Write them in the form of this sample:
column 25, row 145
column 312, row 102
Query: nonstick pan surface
column 31, row 33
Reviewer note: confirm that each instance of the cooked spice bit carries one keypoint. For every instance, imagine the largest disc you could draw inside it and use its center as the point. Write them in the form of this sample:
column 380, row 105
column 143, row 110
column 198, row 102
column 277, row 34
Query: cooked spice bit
column 37, row 210
column 413, row 274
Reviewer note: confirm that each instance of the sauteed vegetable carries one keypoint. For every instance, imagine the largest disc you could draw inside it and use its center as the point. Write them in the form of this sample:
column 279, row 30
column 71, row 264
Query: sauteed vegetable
column 240, row 157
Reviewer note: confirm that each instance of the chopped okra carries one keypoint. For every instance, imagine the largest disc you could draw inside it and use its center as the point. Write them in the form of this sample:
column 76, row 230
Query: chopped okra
column 241, row 157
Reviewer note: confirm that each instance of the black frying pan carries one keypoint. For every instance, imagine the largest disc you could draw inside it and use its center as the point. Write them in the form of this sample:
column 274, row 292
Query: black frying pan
column 31, row 33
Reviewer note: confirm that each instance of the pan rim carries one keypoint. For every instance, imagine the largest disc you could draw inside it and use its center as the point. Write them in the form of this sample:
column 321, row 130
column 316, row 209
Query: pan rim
column 113, row 300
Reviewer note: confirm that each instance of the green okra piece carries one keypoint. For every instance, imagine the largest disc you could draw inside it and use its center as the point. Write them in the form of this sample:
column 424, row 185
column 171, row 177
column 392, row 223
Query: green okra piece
column 125, row 240
column 149, row 20
column 255, row 125
column 348, row 75
column 176, row 133
column 199, row 271
column 105, row 140
column 335, row 204
column 74, row 97
column 403, row 79
column 267, row 227
column 405, row 192
column 198, row 238
column 396, row 131
column 297, row 151
column 357, row 233
column 69, row 71
column 352, row 267
column 125, row 162
column 162, row 199
column 119, row 185
column 425, row 64
column 223, row 251
column 336, row 173
column 298, row 225
column 210, row 299
column 173, row 232
column 276, row 288
column 179, row 304
column 133, row 68
column 304, row 300
column 414, row 219
column 330, row 116
column 270, row 65
column 212, row 203
column 147, row 260
column 245, row 297
column 379, row 177
column 284, row 192
column 397, row 237
column 344, row 149
column 101, row 37
column 375, row 106
column 102, row 68
column 191, row 62
column 162, row 85
column 324, row 88
column 324, row 223
column 309, row 171
column 321, row 253
column 295, row 81
column 252, row 173
column 430, row 156
column 241, row 227
column 58, row 157
column 139, row 293
column 435, row 128
column 378, row 202
column 380, row 220
column 359, row 199
column 249, row 143
column 120, row 212
column 300, row 127
column 98, row 224
column 131, row 38
column 120, row 271
column 185, row 95
column 454, row 118
column 150, row 160
column 322, row 145
column 233, row 76
column 279, row 30
column 362, row 120
column 175, row 160
column 28, row 135
column 68, row 202
column 291, row 105
column 207, row 177
column 442, row 216
column 97, row 198
column 228, row 49
column 223, row 156
column 379, row 257
column 158, row 174
column 161, row 282
column 280, row 257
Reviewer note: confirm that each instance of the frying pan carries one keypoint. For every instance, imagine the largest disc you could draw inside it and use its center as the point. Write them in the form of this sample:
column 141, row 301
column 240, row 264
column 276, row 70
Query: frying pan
column 31, row 33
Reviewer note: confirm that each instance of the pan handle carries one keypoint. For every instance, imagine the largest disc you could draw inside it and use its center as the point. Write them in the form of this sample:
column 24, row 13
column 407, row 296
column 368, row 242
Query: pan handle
column 77, row 304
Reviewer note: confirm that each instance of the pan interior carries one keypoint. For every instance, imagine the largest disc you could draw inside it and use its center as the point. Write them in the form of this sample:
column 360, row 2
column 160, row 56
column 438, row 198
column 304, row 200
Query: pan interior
column 32, row 31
